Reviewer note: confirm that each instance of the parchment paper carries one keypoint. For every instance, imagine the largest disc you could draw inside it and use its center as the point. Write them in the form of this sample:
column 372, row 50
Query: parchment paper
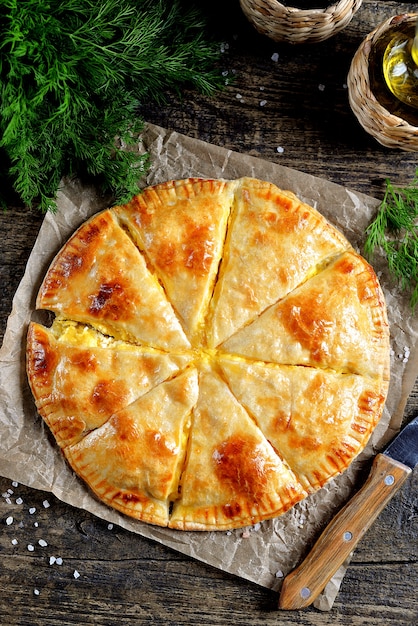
column 266, row 552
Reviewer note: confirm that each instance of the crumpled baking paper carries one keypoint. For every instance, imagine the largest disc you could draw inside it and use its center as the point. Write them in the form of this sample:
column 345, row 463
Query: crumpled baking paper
column 266, row 552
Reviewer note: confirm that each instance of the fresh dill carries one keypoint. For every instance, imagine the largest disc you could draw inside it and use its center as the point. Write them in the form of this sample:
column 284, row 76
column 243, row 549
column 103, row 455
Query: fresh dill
column 72, row 76
column 395, row 232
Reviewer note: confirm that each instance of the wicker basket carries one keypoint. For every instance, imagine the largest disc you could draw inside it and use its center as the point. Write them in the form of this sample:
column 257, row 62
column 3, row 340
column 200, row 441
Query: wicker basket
column 388, row 128
column 292, row 25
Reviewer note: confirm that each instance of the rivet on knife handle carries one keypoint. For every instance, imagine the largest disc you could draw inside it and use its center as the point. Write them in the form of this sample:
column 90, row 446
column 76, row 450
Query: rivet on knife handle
column 302, row 586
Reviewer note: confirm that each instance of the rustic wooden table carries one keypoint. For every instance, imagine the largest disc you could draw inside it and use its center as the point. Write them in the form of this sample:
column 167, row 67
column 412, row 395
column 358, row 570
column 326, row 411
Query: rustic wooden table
column 291, row 109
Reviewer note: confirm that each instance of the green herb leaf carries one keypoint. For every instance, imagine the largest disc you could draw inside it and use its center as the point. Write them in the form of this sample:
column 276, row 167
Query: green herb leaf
column 72, row 75
column 395, row 231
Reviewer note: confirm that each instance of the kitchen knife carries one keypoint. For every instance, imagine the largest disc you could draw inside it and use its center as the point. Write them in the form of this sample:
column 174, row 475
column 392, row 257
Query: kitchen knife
column 389, row 471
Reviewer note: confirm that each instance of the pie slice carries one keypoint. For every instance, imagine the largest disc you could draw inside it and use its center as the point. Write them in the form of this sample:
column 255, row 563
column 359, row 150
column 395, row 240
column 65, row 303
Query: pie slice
column 180, row 226
column 233, row 477
column 318, row 421
column 335, row 320
column 101, row 279
column 133, row 461
column 79, row 378
column 275, row 242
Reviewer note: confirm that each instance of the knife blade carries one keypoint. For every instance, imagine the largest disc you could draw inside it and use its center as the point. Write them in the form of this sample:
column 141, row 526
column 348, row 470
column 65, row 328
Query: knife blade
column 389, row 471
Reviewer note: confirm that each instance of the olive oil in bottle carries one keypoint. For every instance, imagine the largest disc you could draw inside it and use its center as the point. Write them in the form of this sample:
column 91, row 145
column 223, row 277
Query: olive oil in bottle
column 400, row 67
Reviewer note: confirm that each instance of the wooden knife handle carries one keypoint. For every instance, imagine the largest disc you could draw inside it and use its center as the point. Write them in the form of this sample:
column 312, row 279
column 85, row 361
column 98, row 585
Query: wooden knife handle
column 305, row 583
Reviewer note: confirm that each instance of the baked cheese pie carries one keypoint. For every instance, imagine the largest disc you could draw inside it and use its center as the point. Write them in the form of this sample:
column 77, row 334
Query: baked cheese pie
column 218, row 352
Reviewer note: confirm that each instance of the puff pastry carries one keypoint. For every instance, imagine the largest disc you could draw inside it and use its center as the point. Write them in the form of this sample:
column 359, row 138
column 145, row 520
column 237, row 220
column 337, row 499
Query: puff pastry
column 218, row 352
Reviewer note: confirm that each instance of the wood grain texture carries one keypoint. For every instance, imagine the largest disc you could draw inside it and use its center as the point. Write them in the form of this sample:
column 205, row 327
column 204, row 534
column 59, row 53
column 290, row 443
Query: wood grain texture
column 299, row 104
column 340, row 537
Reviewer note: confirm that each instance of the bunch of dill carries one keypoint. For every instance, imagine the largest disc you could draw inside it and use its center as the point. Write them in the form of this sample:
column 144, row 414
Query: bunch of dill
column 394, row 231
column 72, row 75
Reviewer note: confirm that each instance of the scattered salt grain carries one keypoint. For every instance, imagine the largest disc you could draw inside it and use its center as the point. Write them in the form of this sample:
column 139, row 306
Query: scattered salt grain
column 110, row 526
column 76, row 574
column 321, row 87
column 10, row 492
column 52, row 560
column 262, row 88
column 42, row 543
column 9, row 520
column 228, row 533
column 263, row 103
column 14, row 542
column 36, row 524
column 345, row 86
column 238, row 96
column 19, row 501
column 30, row 547
column 32, row 510
column 58, row 561
column 46, row 504
column 280, row 149
column 8, row 501
column 36, row 592
column 275, row 57
column 279, row 574
column 15, row 484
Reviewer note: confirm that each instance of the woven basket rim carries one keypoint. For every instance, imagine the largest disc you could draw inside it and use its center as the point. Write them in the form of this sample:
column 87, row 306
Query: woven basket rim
column 290, row 9
column 286, row 23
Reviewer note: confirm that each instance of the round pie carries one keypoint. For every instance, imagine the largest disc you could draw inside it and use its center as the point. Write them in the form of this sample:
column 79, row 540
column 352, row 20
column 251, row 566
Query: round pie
column 218, row 352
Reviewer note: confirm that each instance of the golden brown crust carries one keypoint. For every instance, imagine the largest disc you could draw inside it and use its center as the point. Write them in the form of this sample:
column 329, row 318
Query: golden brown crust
column 219, row 351
column 180, row 226
column 337, row 320
column 100, row 278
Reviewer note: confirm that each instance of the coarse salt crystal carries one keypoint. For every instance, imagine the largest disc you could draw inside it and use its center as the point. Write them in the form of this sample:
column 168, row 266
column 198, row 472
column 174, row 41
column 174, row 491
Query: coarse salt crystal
column 275, row 57
column 110, row 526
column 32, row 510
column 8, row 501
column 30, row 547
column 279, row 574
column 321, row 87
column 9, row 520
column 36, row 592
column 263, row 103
column 279, row 149
column 42, row 543
column 76, row 574
column 58, row 561
column 46, row 504
column 19, row 501
column 14, row 542
column 15, row 484
column 36, row 524
column 52, row 560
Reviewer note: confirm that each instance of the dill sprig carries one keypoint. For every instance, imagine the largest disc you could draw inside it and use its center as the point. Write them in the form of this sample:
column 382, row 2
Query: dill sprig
column 72, row 76
column 395, row 231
